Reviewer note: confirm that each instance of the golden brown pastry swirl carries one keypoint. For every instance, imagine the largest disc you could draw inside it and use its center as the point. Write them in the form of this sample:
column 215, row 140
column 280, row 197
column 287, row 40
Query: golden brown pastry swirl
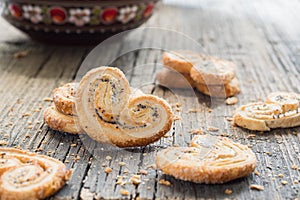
column 110, row 112
column 208, row 160
column 25, row 175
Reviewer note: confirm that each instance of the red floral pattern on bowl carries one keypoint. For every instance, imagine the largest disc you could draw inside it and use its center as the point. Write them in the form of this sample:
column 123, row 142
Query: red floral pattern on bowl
column 76, row 17
column 109, row 15
column 148, row 10
column 58, row 15
column 15, row 10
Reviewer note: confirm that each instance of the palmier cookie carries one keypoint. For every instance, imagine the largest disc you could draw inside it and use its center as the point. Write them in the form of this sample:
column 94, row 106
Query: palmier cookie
column 288, row 100
column 213, row 71
column 173, row 79
column 265, row 116
column 61, row 122
column 180, row 61
column 209, row 160
column 25, row 175
column 63, row 98
column 230, row 89
column 109, row 113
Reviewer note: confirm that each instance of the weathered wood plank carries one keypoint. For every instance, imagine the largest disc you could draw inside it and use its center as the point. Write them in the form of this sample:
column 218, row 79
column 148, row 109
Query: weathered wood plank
column 250, row 33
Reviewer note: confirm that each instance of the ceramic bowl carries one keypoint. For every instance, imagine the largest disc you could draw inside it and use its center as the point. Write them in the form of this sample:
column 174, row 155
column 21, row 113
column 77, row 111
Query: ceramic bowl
column 75, row 21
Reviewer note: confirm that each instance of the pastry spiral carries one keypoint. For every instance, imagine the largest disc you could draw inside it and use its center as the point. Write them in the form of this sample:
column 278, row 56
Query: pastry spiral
column 289, row 101
column 61, row 122
column 63, row 98
column 266, row 116
column 109, row 112
column 209, row 160
column 25, row 175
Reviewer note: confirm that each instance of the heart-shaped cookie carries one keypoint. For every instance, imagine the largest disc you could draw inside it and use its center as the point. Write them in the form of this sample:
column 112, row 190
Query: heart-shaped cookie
column 110, row 111
column 25, row 175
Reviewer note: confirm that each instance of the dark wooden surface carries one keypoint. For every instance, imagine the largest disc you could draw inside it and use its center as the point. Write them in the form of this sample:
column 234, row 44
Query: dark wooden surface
column 261, row 37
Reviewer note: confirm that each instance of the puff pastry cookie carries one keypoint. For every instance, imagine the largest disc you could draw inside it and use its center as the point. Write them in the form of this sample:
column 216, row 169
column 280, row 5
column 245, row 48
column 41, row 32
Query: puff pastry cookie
column 172, row 79
column 212, row 71
column 63, row 98
column 288, row 100
column 209, row 160
column 230, row 89
column 109, row 113
column 62, row 116
column 181, row 61
column 281, row 110
column 61, row 122
column 210, row 75
column 25, row 175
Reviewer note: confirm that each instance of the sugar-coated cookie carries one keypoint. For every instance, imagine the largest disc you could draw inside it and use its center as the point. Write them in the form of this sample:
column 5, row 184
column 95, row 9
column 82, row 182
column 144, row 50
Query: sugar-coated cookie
column 109, row 113
column 209, row 160
column 63, row 98
column 172, row 79
column 230, row 89
column 25, row 175
column 61, row 122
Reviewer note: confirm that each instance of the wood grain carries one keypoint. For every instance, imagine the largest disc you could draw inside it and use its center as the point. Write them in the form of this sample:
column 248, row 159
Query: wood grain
column 261, row 37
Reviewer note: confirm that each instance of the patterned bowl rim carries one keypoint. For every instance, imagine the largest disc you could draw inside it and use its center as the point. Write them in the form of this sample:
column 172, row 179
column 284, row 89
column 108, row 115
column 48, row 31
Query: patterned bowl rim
column 80, row 2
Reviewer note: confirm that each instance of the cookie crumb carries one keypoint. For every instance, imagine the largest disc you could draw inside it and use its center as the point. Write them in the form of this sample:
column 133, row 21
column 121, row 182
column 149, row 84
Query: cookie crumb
column 229, row 119
column 165, row 182
column 178, row 105
column 77, row 158
column 143, row 172
column 256, row 173
column 296, row 181
column 47, row 99
column 257, row 187
column 231, row 100
column 284, row 182
column 267, row 152
column 213, row 129
column 108, row 170
column 3, row 143
column 21, row 54
column 280, row 175
column 136, row 179
column 26, row 114
column 120, row 181
column 224, row 134
column 124, row 192
column 228, row 191
column 193, row 110
column 294, row 167
column 122, row 164
column 196, row 131
column 108, row 158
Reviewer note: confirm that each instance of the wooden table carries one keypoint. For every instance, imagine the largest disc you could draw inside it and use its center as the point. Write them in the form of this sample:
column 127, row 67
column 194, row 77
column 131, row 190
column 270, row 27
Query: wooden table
column 261, row 37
